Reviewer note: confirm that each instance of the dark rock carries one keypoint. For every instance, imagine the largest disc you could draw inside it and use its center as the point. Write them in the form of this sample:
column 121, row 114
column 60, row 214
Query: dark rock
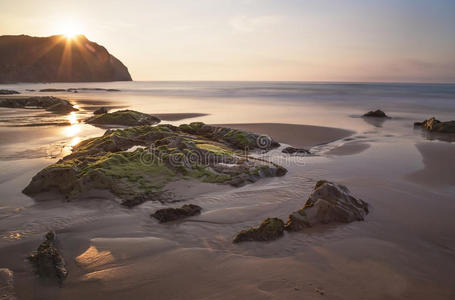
column 8, row 92
column 329, row 202
column 124, row 118
column 171, row 214
column 292, row 150
column 270, row 229
column 100, row 111
column 434, row 125
column 376, row 114
column 7, row 284
column 52, row 90
column 49, row 103
column 39, row 59
column 47, row 260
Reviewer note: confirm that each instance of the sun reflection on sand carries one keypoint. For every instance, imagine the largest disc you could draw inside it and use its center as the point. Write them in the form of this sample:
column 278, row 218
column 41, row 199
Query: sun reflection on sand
column 92, row 258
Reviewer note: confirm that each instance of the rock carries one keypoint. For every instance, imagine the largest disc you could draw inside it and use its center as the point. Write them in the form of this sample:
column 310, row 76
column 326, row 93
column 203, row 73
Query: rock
column 7, row 284
column 8, row 92
column 136, row 164
column 52, row 90
column 434, row 125
column 47, row 260
column 49, row 103
column 39, row 59
column 376, row 114
column 124, row 118
column 100, row 111
column 292, row 150
column 329, row 202
column 171, row 214
column 270, row 229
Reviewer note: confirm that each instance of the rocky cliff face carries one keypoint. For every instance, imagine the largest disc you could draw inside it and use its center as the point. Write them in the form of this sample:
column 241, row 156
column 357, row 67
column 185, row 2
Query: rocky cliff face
column 57, row 59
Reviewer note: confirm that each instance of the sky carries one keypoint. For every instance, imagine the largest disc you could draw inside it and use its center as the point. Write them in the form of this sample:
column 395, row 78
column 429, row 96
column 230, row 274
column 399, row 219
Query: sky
column 278, row 40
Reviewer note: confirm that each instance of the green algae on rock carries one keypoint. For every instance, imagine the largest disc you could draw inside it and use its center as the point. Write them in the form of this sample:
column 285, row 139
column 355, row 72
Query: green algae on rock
column 136, row 163
column 270, row 229
column 123, row 118
column 49, row 103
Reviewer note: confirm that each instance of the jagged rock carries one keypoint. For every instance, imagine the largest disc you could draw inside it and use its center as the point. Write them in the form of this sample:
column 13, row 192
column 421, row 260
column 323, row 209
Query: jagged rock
column 171, row 214
column 292, row 150
column 100, row 111
column 39, row 59
column 434, row 125
column 136, row 163
column 52, row 104
column 7, row 284
column 47, row 260
column 8, row 92
column 270, row 229
column 376, row 114
column 124, row 118
column 329, row 202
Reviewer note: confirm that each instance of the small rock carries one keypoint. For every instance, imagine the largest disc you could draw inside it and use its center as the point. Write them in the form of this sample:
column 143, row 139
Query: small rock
column 8, row 92
column 7, row 284
column 48, row 261
column 292, row 150
column 270, row 229
column 376, row 114
column 100, row 111
column 171, row 214
column 329, row 202
column 434, row 125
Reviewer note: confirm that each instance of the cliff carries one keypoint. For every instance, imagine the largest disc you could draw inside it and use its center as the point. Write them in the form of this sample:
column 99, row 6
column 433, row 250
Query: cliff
column 57, row 59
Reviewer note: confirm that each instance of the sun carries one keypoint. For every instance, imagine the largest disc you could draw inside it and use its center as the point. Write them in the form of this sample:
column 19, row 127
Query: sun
column 71, row 29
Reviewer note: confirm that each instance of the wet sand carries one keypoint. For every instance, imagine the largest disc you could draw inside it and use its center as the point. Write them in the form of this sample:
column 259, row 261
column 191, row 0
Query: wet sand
column 295, row 135
column 349, row 149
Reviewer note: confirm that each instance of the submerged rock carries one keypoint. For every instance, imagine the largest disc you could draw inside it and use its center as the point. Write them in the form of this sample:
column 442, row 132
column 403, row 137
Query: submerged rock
column 376, row 114
column 47, row 260
column 292, row 150
column 124, row 118
column 8, row 92
column 434, row 125
column 136, row 163
column 99, row 111
column 7, row 284
column 52, row 90
column 52, row 104
column 270, row 229
column 329, row 202
column 171, row 214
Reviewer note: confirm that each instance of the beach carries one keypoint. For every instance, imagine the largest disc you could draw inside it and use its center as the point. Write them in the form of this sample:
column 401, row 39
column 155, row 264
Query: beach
column 405, row 248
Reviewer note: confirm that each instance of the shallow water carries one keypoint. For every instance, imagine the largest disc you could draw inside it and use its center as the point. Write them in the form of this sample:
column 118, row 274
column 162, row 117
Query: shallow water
column 405, row 248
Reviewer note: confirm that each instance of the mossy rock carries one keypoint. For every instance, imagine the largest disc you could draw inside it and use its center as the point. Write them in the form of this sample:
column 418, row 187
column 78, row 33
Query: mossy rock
column 270, row 229
column 136, row 164
column 123, row 118
column 171, row 214
column 52, row 104
column 434, row 125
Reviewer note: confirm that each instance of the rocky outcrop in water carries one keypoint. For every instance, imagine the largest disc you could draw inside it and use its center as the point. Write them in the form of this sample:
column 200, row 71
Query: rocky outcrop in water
column 329, row 202
column 8, row 92
column 270, row 229
column 7, row 284
column 123, row 118
column 376, row 114
column 171, row 214
column 57, row 59
column 295, row 151
column 52, row 104
column 100, row 111
column 47, row 260
column 437, row 126
column 136, row 163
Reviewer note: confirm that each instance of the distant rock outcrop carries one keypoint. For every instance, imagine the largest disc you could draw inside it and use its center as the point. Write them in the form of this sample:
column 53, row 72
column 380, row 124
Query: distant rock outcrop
column 49, row 103
column 8, row 92
column 57, row 59
column 376, row 114
column 434, row 125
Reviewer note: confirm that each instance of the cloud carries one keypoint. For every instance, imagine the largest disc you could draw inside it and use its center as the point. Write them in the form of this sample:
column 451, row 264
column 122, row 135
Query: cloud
column 247, row 24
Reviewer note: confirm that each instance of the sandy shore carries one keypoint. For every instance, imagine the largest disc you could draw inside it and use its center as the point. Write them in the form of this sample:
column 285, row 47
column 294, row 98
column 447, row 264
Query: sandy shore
column 295, row 135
